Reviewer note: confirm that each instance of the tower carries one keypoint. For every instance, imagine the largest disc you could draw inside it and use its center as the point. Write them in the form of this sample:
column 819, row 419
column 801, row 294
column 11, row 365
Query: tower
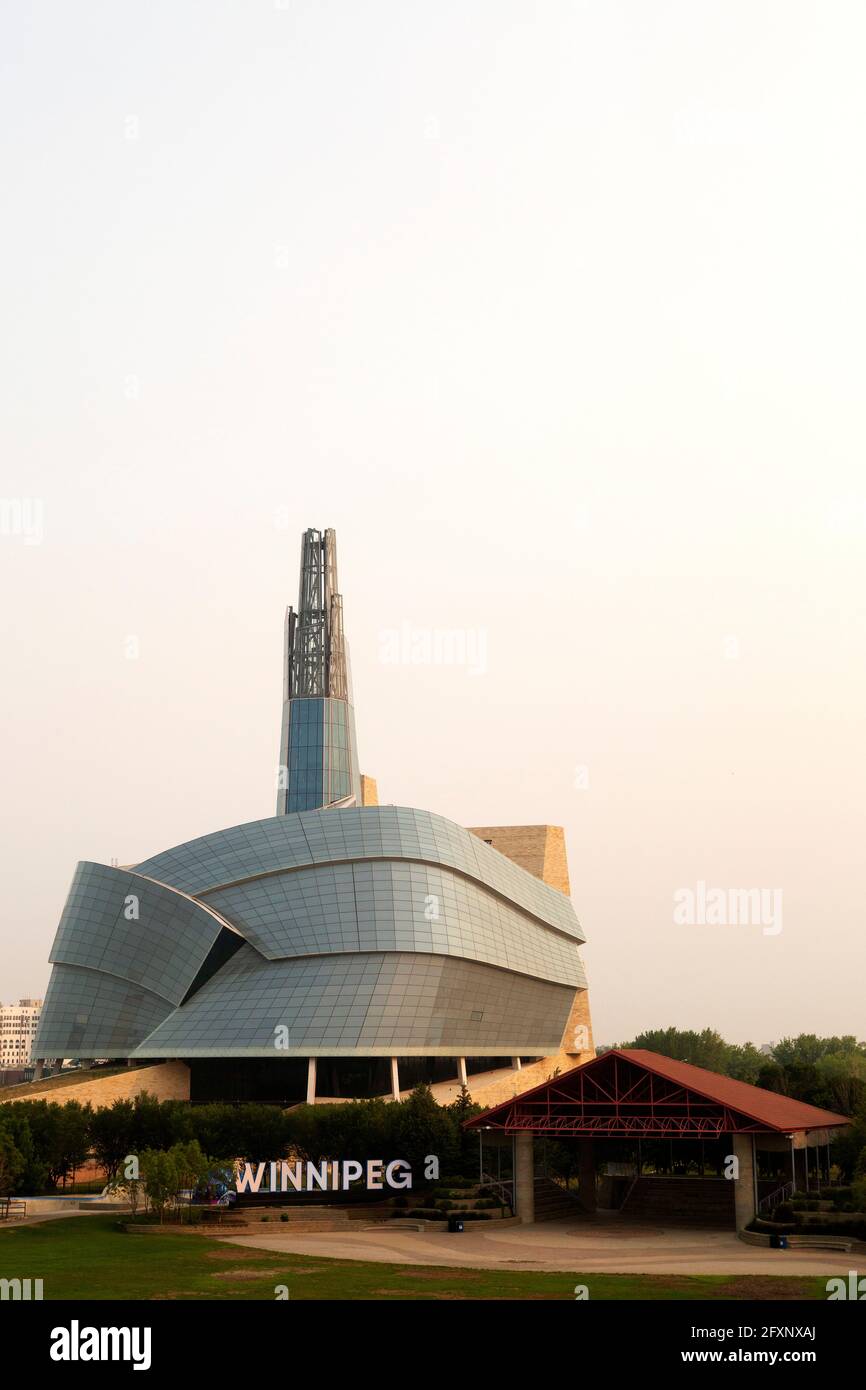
column 318, row 746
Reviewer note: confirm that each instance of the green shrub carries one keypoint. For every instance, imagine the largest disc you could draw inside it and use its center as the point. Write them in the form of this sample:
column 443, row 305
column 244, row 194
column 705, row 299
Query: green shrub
column 839, row 1196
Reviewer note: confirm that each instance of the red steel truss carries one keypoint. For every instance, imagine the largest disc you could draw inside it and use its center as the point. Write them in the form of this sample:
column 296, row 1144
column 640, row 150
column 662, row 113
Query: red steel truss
column 612, row 1097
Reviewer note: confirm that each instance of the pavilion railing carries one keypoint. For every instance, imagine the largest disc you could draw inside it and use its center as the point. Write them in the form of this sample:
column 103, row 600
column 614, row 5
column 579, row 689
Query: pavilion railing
column 503, row 1190
column 772, row 1200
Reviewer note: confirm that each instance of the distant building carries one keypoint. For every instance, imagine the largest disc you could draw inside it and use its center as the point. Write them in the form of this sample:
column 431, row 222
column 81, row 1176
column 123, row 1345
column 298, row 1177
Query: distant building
column 18, row 1024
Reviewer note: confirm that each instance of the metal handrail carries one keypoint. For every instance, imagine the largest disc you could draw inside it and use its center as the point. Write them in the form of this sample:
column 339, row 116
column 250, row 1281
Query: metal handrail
column 780, row 1194
column 503, row 1190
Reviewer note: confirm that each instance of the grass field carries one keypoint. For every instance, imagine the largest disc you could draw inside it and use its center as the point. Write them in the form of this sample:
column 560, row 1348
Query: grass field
column 87, row 1257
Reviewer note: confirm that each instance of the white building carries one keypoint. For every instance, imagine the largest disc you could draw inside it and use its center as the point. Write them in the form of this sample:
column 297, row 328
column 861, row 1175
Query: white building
column 18, row 1023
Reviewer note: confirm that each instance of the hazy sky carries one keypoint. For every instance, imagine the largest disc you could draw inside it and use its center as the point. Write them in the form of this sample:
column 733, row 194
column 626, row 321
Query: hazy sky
column 555, row 311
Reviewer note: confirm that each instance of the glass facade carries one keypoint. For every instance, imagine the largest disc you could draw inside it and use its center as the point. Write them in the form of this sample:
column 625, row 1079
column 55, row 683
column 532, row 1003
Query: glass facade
column 367, row 833
column 365, row 933
column 265, row 1081
column 383, row 1004
column 353, row 1078
column 320, row 762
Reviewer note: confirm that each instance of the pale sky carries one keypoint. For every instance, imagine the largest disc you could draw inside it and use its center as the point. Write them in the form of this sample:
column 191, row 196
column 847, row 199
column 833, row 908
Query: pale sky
column 555, row 312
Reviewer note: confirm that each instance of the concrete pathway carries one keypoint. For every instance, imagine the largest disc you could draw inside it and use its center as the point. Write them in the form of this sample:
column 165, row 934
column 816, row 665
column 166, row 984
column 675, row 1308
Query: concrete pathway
column 609, row 1247
column 17, row 1222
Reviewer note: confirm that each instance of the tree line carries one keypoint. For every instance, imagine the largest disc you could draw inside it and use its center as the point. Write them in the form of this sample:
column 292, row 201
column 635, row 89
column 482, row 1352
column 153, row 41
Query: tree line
column 827, row 1072
column 43, row 1143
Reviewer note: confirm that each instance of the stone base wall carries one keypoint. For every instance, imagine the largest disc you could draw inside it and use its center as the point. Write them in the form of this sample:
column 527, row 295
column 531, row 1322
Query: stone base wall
column 165, row 1080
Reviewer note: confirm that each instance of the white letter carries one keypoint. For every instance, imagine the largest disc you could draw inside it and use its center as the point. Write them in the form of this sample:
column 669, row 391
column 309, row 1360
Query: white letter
column 398, row 1165
column 60, row 1344
column 684, row 909
column 352, row 1169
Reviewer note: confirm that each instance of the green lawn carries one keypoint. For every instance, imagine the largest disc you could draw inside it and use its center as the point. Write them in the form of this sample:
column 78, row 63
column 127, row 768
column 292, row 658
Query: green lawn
column 87, row 1257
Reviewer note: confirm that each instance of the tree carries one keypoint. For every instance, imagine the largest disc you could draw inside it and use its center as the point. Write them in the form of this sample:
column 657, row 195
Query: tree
column 846, row 1147
column 421, row 1129
column 158, row 1124
column 459, row 1111
column 73, row 1138
column 191, row 1167
column 12, row 1164
column 130, row 1188
column 43, row 1121
column 112, row 1136
column 159, row 1173
column 262, row 1132
column 33, row 1177
column 843, row 1075
column 707, row 1049
column 745, row 1063
column 217, row 1129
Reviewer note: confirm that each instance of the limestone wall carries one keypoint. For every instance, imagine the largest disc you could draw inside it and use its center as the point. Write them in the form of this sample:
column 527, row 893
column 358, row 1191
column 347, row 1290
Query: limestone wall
column 540, row 849
column 165, row 1080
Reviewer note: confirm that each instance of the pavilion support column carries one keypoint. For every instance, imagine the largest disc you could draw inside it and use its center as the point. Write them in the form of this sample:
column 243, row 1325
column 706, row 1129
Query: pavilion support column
column 461, row 1071
column 517, row 1064
column 395, row 1079
column 39, row 1072
column 745, row 1205
column 524, row 1177
column 586, row 1170
column 311, row 1080
column 801, row 1176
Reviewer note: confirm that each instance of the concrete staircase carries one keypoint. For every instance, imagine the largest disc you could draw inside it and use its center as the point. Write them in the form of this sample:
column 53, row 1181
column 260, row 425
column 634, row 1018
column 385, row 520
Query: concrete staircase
column 682, row 1201
column 302, row 1219
column 553, row 1203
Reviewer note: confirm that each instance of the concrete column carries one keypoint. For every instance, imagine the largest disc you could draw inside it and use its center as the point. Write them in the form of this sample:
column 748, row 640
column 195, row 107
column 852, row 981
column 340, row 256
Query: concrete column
column 524, row 1177
column 39, row 1072
column 801, row 1176
column 461, row 1071
column 806, row 1161
column 85, row 1063
column 517, row 1064
column 311, row 1080
column 745, row 1204
column 586, row 1171
column 395, row 1079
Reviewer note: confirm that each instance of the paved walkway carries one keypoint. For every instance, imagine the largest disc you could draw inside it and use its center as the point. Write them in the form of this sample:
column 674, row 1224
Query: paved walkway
column 606, row 1246
column 17, row 1222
